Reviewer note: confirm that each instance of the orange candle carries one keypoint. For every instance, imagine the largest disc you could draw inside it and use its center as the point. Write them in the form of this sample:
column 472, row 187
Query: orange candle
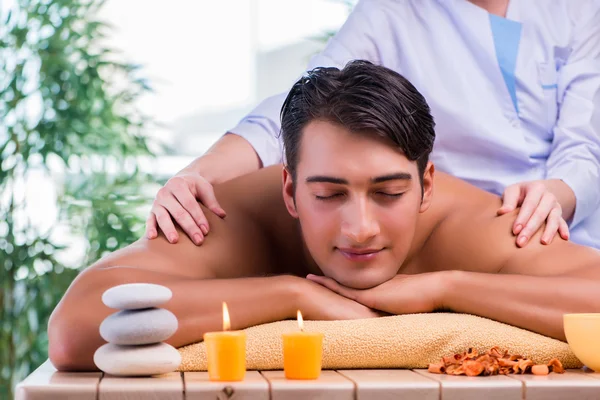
column 302, row 353
column 226, row 352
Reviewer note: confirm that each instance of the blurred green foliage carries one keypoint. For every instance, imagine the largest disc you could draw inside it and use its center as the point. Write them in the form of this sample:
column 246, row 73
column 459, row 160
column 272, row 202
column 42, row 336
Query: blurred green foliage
column 68, row 118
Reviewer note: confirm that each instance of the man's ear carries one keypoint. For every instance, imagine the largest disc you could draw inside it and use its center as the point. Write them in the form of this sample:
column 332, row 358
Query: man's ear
column 427, row 187
column 288, row 193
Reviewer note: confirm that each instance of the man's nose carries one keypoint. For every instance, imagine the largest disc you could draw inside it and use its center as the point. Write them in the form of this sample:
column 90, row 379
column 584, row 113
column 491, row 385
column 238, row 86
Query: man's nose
column 359, row 223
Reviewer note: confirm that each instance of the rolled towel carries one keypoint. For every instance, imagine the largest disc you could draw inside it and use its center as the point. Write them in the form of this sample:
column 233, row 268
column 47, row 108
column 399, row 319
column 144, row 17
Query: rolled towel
column 400, row 341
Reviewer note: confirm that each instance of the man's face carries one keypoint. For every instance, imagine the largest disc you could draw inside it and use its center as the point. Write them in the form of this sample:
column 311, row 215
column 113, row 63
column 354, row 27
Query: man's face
column 357, row 199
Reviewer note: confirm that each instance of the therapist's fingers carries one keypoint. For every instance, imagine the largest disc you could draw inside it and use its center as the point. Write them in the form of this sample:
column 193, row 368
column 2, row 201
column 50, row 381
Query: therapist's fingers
column 165, row 223
column 563, row 229
column 530, row 204
column 552, row 226
column 192, row 209
column 206, row 194
column 151, row 231
column 511, row 198
column 537, row 219
column 183, row 218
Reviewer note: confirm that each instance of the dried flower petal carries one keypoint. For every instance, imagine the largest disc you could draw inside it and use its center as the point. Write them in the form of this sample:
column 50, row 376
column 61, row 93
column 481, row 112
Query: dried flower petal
column 540, row 369
column 525, row 365
column 472, row 353
column 457, row 370
column 473, row 368
column 438, row 368
column 493, row 362
column 495, row 352
column 503, row 362
column 449, row 360
column 556, row 366
column 492, row 369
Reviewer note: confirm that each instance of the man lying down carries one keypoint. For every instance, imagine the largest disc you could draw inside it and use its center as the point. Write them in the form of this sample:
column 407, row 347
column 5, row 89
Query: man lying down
column 357, row 224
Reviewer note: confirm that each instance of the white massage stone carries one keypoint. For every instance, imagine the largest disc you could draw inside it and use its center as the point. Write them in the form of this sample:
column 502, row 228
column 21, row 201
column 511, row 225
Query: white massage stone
column 150, row 359
column 133, row 296
column 150, row 325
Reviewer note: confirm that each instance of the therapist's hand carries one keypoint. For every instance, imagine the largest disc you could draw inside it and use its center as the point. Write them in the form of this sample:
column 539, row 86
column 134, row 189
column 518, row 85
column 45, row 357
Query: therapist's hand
column 178, row 199
column 544, row 204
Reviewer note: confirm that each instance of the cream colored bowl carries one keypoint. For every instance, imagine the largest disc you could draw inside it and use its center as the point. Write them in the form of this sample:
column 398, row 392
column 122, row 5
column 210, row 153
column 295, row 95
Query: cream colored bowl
column 583, row 335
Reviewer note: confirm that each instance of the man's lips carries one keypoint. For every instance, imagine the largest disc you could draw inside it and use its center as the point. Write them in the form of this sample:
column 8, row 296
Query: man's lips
column 355, row 254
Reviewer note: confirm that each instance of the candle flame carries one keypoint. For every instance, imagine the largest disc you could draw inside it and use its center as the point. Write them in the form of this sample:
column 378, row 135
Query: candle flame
column 226, row 321
column 300, row 321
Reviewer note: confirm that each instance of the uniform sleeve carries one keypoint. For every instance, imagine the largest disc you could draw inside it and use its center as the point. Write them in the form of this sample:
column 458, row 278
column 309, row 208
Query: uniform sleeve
column 575, row 154
column 355, row 40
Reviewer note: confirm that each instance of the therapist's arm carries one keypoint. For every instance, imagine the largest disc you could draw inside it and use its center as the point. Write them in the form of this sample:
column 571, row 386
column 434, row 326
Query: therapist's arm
column 575, row 157
column 231, row 156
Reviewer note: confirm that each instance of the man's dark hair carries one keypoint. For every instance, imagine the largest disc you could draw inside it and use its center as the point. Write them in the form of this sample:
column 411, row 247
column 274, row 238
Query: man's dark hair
column 362, row 97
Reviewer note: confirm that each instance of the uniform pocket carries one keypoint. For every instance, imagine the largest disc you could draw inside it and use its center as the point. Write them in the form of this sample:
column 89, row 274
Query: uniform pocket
column 548, row 80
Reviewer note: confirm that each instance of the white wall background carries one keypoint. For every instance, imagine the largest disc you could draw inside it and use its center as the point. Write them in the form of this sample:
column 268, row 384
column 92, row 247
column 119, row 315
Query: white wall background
column 202, row 59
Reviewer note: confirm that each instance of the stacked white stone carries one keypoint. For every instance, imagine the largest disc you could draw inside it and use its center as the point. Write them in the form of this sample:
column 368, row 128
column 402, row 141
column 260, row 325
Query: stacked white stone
column 135, row 334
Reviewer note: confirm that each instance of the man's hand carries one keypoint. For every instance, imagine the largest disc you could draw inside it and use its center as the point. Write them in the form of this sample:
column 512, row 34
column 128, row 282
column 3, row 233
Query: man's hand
column 178, row 199
column 403, row 294
column 317, row 302
column 545, row 201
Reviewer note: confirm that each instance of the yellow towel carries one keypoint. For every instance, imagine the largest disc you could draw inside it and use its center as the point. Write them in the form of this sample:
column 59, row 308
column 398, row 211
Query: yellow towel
column 400, row 341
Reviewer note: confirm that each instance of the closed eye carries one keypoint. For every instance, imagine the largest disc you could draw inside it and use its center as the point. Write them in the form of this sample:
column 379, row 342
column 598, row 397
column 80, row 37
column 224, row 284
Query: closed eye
column 330, row 197
column 391, row 195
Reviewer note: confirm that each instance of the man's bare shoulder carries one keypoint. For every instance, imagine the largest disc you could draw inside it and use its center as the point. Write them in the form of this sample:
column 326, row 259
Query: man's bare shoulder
column 256, row 203
column 455, row 194
column 470, row 236
column 462, row 229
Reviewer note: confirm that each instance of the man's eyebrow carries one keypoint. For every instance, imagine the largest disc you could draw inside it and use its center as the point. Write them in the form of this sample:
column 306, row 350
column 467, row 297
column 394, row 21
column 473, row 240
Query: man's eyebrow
column 326, row 179
column 405, row 176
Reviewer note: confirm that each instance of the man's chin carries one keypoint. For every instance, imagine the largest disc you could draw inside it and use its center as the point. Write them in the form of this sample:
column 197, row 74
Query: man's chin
column 365, row 280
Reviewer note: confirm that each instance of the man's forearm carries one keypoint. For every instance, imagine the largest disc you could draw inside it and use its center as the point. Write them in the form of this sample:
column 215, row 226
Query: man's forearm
column 231, row 156
column 530, row 302
column 74, row 327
